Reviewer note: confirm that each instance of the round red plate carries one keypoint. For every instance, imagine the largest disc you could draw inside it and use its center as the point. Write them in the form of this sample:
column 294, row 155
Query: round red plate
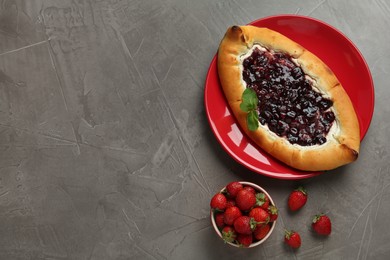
column 336, row 50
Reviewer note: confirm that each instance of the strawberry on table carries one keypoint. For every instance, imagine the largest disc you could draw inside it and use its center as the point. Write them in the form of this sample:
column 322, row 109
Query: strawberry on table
column 233, row 188
column 228, row 234
column 292, row 238
column 322, row 224
column 231, row 214
column 218, row 202
column 261, row 231
column 244, row 240
column 245, row 225
column 297, row 198
column 245, row 200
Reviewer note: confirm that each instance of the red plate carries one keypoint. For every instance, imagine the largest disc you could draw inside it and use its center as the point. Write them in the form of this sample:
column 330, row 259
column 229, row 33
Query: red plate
column 336, row 50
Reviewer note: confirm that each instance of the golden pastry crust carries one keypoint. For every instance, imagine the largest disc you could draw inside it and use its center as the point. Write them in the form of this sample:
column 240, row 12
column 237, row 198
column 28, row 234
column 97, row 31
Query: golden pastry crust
column 343, row 142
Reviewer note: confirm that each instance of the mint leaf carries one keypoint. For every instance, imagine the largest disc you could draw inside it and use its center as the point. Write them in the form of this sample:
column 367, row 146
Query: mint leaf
column 252, row 120
column 249, row 105
column 249, row 100
column 246, row 107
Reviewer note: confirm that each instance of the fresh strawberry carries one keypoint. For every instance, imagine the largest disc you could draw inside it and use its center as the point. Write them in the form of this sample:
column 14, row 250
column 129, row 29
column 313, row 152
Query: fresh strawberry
column 249, row 188
column 230, row 215
column 292, row 238
column 273, row 213
column 322, row 225
column 218, row 202
column 262, row 200
column 228, row 234
column 244, row 240
column 233, row 188
column 230, row 203
column 260, row 215
column 261, row 231
column 245, row 200
column 219, row 220
column 245, row 225
column 297, row 198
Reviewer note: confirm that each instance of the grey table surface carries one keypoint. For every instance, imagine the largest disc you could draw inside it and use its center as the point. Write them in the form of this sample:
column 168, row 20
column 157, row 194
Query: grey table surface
column 106, row 151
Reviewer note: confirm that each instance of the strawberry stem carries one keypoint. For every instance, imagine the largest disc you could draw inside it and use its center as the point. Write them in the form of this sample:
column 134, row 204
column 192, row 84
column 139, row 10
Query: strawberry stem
column 301, row 189
column 317, row 217
column 287, row 233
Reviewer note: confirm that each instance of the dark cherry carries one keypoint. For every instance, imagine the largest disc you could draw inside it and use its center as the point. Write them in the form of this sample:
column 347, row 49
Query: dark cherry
column 288, row 104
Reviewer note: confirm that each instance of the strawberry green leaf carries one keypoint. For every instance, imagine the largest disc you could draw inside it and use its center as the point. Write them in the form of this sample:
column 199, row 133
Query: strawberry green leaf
column 252, row 121
column 253, row 224
column 288, row 233
column 273, row 210
column 317, row 217
column 260, row 199
column 228, row 236
column 301, row 189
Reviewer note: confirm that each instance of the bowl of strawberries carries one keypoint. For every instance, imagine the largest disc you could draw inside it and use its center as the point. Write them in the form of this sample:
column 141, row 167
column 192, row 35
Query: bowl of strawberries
column 243, row 214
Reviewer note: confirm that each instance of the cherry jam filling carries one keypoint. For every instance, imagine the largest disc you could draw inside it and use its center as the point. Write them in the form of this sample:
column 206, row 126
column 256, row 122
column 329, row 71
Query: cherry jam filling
column 288, row 104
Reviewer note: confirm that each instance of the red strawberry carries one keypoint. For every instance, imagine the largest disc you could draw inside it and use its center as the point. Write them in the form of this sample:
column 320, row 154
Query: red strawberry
column 245, row 200
column 245, row 225
column 322, row 225
column 218, row 202
column 261, row 231
column 297, row 199
column 233, row 188
column 292, row 239
column 262, row 200
column 219, row 220
column 230, row 203
column 260, row 215
column 231, row 214
column 244, row 240
column 273, row 213
column 249, row 188
column 228, row 234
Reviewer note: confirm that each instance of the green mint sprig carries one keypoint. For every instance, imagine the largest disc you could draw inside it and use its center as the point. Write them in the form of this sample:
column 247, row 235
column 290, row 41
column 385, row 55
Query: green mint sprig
column 249, row 105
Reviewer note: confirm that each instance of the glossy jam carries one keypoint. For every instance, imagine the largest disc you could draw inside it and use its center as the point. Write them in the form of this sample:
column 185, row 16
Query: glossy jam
column 288, row 104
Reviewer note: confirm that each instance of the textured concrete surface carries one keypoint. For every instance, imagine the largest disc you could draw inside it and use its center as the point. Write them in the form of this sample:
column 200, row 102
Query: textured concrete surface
column 105, row 150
